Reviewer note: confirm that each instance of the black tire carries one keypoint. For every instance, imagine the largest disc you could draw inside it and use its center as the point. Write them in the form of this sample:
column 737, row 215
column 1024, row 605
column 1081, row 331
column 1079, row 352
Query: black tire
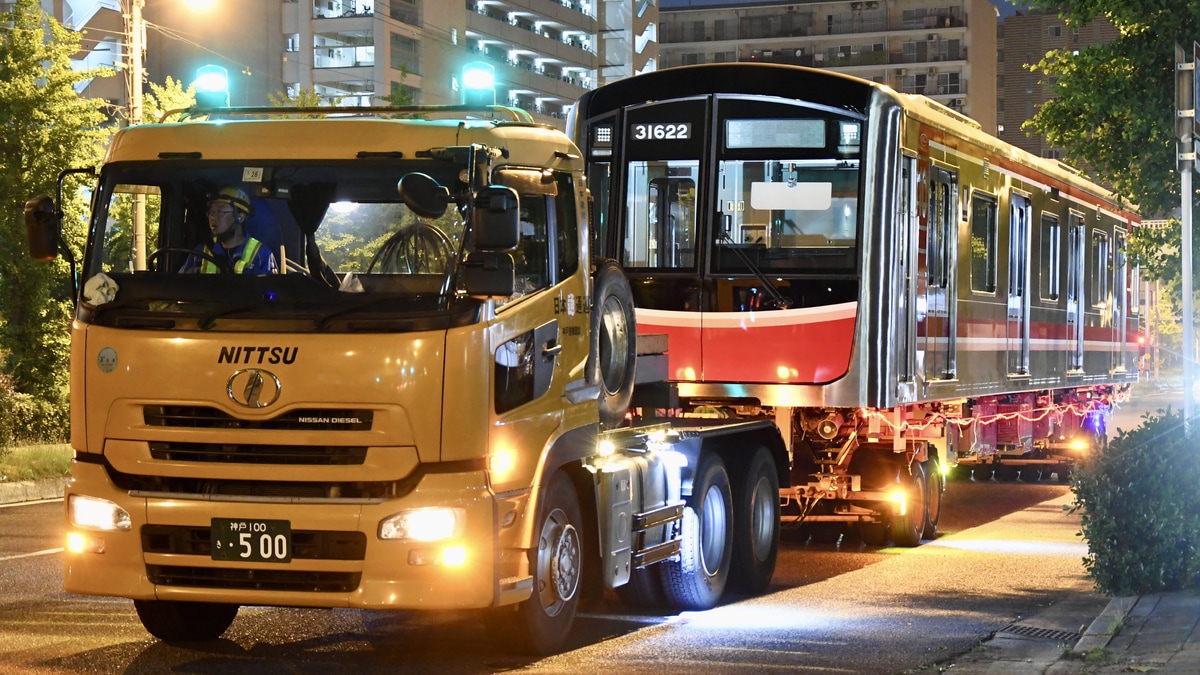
column 644, row 590
column 172, row 621
column 612, row 353
column 755, row 524
column 873, row 534
column 697, row 579
column 935, row 485
column 541, row 624
column 908, row 525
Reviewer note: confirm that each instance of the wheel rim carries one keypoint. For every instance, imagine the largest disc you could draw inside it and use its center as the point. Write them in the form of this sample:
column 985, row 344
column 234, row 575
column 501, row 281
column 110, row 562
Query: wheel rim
column 613, row 333
column 932, row 494
column 559, row 557
column 762, row 518
column 713, row 528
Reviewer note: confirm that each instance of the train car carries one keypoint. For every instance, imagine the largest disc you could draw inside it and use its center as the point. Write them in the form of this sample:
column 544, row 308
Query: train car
column 899, row 290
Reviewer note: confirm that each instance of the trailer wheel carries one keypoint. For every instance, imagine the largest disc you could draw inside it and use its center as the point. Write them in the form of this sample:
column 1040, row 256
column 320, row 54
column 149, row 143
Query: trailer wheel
column 908, row 525
column 644, row 589
column 612, row 352
column 172, row 621
column 542, row 623
column 697, row 579
column 755, row 524
column 935, row 484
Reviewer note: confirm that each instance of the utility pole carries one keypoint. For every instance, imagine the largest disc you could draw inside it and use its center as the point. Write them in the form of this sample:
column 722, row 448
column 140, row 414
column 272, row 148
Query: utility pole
column 135, row 28
column 1185, row 129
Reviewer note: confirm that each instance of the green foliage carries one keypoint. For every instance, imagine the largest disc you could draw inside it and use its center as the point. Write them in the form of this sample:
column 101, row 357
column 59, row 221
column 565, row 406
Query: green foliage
column 170, row 96
column 1140, row 508
column 24, row 418
column 305, row 98
column 36, row 462
column 46, row 128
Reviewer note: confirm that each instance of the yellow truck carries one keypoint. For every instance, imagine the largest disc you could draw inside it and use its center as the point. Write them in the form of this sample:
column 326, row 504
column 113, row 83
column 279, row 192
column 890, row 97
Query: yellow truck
column 364, row 358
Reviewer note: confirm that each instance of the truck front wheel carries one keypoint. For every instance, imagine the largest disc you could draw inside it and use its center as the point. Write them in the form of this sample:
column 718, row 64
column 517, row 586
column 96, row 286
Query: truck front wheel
column 697, row 579
column 542, row 623
column 172, row 621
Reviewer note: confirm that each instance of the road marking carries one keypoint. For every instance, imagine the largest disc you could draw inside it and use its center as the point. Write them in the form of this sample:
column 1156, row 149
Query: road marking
column 49, row 551
column 40, row 501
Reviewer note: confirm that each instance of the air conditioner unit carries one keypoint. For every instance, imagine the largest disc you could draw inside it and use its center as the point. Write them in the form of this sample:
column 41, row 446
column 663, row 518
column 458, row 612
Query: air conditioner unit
column 933, row 71
column 902, row 72
column 931, row 36
column 819, row 57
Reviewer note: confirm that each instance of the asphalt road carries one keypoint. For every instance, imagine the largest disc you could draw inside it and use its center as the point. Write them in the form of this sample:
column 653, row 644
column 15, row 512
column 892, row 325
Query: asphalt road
column 1005, row 551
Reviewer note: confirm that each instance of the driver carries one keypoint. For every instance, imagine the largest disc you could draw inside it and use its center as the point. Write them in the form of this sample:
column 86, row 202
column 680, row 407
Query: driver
column 228, row 210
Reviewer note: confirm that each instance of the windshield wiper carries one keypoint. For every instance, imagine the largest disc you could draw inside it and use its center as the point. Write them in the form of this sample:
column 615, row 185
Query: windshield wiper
column 209, row 319
column 776, row 298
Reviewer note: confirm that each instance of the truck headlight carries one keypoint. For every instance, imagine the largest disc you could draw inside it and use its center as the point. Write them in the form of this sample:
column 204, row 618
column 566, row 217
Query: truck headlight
column 97, row 514
column 432, row 524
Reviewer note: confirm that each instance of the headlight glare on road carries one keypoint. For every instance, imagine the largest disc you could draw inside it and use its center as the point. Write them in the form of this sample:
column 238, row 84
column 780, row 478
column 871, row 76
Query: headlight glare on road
column 97, row 514
column 432, row 524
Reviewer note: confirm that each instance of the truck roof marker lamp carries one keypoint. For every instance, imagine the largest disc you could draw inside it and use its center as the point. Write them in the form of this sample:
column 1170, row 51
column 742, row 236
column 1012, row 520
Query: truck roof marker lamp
column 479, row 84
column 212, row 87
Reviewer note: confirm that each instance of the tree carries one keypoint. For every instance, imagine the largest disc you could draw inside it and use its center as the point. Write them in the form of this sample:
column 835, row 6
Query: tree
column 46, row 127
column 1114, row 111
column 171, row 96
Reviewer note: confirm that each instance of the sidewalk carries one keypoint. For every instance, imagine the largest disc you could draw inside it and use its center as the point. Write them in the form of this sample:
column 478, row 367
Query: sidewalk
column 31, row 490
column 1155, row 633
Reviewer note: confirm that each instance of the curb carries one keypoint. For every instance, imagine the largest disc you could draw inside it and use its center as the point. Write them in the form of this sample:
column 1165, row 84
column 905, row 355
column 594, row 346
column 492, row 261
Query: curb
column 32, row 490
column 1105, row 626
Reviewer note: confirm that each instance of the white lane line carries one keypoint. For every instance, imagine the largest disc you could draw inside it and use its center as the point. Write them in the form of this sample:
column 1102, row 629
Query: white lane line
column 39, row 501
column 49, row 551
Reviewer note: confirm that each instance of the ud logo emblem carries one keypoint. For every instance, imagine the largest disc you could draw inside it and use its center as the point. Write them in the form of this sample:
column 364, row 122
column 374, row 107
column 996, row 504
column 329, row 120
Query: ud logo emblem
column 253, row 388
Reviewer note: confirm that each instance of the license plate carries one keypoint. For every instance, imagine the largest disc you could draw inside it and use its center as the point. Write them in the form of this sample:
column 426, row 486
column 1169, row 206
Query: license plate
column 251, row 540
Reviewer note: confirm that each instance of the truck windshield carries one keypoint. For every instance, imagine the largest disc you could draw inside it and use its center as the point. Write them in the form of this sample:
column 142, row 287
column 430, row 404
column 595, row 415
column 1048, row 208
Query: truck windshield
column 307, row 242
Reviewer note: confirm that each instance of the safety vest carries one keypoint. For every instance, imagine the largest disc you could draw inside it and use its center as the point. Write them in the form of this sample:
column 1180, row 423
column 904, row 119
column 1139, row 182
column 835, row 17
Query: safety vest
column 249, row 250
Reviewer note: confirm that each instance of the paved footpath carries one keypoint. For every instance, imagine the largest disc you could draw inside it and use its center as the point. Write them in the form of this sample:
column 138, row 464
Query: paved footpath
column 1154, row 633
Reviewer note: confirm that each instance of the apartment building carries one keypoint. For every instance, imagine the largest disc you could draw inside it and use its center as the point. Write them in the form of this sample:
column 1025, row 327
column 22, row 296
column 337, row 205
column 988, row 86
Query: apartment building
column 940, row 48
column 1023, row 40
column 545, row 53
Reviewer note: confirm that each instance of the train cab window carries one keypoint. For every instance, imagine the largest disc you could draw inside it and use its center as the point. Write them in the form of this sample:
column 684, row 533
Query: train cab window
column 983, row 243
column 1051, row 257
column 661, row 214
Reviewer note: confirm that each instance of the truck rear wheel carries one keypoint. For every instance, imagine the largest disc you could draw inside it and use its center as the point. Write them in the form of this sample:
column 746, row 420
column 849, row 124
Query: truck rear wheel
column 908, row 524
column 612, row 353
column 542, row 623
column 755, row 524
column 172, row 621
column 935, row 484
column 697, row 579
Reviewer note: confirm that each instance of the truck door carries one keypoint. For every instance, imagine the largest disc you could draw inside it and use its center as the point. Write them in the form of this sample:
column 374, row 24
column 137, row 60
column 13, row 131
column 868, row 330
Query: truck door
column 540, row 331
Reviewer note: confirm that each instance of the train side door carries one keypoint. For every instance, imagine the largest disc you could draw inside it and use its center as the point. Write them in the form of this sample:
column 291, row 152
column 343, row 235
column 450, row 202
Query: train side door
column 941, row 284
column 906, row 333
column 1075, row 301
column 1018, row 285
column 1121, row 303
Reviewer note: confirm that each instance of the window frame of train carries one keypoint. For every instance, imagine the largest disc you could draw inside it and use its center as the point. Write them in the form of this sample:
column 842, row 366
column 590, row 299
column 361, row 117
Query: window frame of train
column 941, row 269
column 1050, row 281
column 1076, row 298
column 1101, row 268
column 983, row 228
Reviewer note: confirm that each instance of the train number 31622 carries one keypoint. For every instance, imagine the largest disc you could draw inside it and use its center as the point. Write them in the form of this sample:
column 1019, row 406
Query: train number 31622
column 661, row 132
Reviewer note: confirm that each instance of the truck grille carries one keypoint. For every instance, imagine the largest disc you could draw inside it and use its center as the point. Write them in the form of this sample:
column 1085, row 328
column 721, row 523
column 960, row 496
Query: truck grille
column 253, row 579
column 203, row 417
column 305, row 544
column 258, row 454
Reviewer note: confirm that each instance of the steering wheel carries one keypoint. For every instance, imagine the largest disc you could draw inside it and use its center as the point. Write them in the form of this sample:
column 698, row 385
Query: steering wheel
column 420, row 248
column 222, row 264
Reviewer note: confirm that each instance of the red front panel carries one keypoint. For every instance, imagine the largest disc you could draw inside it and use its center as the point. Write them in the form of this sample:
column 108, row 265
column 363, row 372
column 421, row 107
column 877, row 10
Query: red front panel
column 795, row 346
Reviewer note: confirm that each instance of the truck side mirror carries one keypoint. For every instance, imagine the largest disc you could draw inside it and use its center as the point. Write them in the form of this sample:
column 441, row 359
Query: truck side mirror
column 496, row 218
column 423, row 195
column 42, row 226
column 489, row 274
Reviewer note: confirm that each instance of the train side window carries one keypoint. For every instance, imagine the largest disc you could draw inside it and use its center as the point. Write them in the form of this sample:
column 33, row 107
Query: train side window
column 1101, row 269
column 983, row 243
column 1051, row 256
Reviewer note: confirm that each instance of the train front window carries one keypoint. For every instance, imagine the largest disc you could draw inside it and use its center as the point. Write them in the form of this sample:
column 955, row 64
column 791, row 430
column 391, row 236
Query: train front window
column 661, row 214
